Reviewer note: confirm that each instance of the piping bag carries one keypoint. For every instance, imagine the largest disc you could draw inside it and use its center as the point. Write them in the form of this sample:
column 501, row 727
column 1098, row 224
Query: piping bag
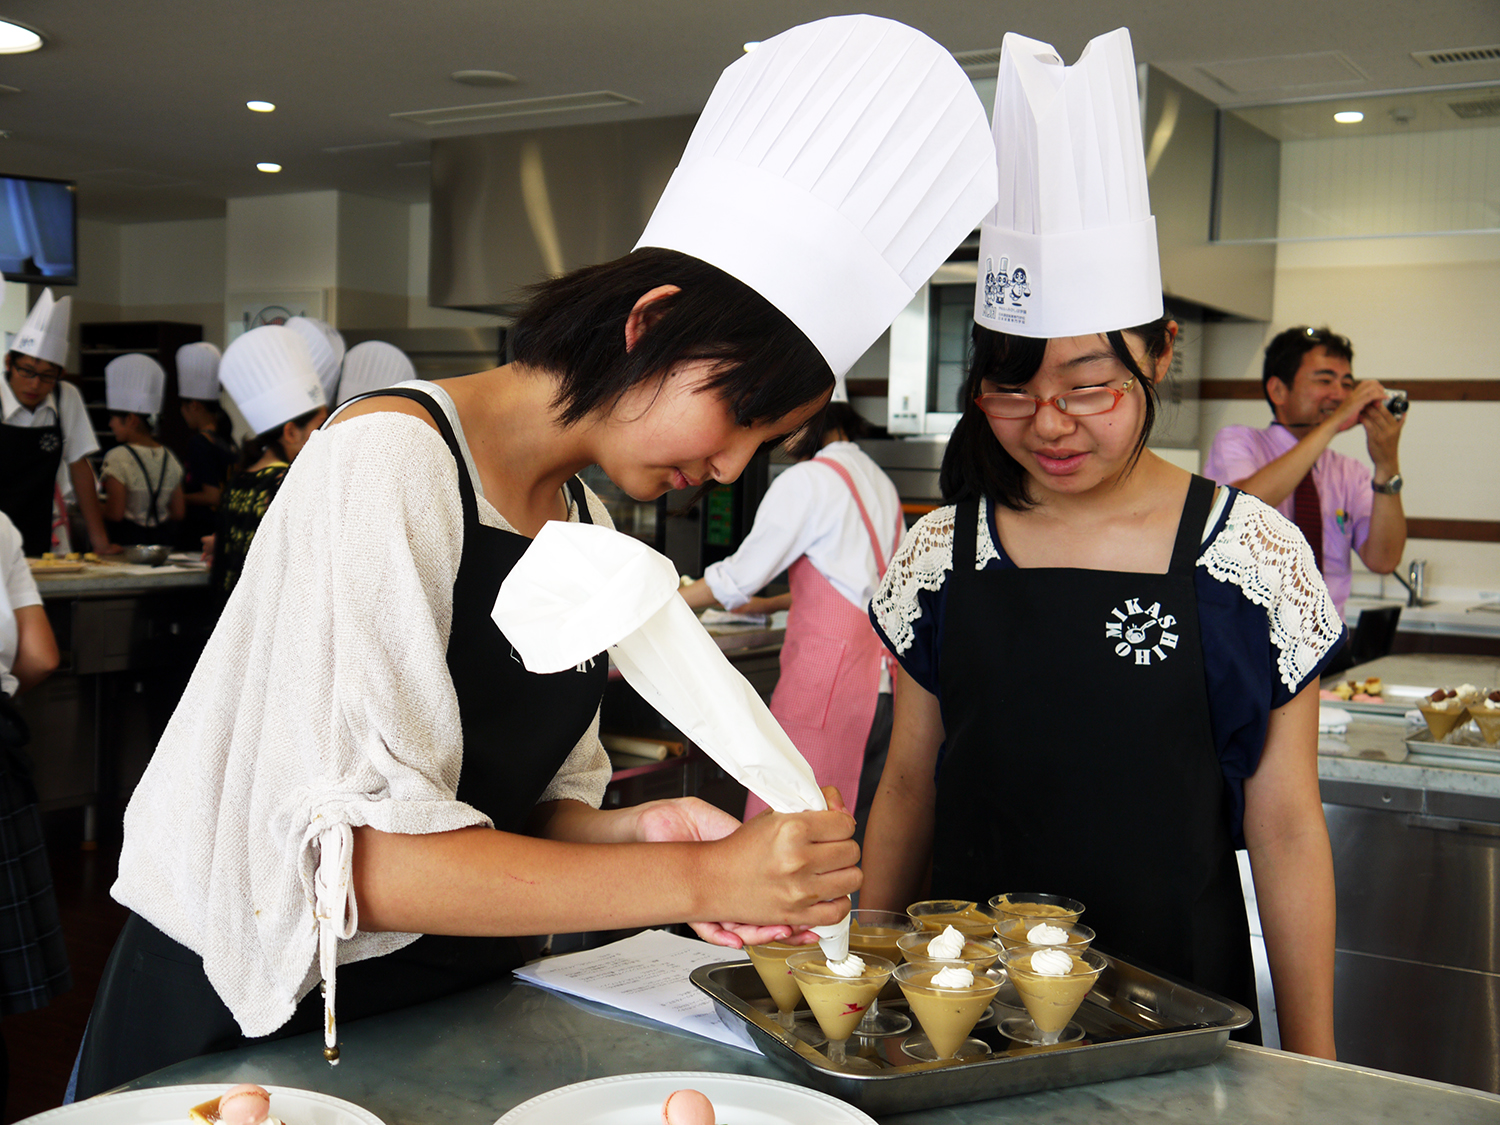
column 580, row 589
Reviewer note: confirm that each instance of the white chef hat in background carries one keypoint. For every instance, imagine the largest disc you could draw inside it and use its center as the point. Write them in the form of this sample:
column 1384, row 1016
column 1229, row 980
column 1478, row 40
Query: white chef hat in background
column 372, row 366
column 833, row 169
column 1070, row 248
column 134, row 383
column 326, row 347
column 198, row 371
column 270, row 375
column 44, row 336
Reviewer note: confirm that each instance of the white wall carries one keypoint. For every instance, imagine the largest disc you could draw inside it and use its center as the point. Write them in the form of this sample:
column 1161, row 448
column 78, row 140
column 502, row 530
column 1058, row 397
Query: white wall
column 172, row 263
column 372, row 244
column 282, row 242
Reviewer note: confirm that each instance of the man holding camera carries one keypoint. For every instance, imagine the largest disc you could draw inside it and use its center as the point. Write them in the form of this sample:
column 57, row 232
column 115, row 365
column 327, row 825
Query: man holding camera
column 1337, row 503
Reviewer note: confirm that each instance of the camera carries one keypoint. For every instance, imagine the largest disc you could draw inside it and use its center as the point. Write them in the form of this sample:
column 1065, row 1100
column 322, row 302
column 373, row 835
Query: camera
column 1396, row 402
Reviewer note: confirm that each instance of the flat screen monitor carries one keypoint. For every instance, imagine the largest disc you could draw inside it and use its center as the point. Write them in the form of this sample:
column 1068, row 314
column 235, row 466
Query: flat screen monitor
column 38, row 231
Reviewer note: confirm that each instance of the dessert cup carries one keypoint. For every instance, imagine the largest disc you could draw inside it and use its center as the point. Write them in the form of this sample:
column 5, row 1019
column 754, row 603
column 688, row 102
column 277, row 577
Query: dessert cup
column 838, row 1003
column 1056, row 909
column 1487, row 719
column 977, row 954
column 947, row 1015
column 964, row 916
column 1442, row 722
column 877, row 932
column 1014, row 932
column 1050, row 1000
column 770, row 961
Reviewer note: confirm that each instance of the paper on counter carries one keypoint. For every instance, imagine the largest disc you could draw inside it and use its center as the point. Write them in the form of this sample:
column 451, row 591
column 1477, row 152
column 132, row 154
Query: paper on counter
column 580, row 588
column 646, row 974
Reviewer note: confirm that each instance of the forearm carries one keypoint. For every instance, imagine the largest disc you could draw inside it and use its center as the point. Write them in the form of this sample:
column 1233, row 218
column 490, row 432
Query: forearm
column 1295, row 893
column 1278, row 479
column 898, row 848
column 700, row 596
column 36, row 647
column 1386, row 543
column 87, row 491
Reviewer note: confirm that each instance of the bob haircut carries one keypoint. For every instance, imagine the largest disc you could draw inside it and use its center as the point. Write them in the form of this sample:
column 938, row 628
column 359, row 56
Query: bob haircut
column 840, row 416
column 975, row 463
column 272, row 441
column 1284, row 354
column 574, row 327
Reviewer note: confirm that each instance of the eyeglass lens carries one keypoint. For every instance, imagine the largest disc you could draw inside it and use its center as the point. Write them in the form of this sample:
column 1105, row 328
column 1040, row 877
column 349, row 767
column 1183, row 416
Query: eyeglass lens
column 1079, row 404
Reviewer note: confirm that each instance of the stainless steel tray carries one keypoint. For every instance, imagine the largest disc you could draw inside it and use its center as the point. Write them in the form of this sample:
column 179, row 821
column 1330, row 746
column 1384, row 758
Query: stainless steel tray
column 1134, row 1022
column 1470, row 753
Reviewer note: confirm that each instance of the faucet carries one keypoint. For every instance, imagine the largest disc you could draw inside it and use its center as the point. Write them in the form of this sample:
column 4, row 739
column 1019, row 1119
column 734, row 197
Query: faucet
column 1415, row 582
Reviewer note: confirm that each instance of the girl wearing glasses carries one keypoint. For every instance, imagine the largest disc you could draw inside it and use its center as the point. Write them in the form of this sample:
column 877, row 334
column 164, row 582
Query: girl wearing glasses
column 1109, row 668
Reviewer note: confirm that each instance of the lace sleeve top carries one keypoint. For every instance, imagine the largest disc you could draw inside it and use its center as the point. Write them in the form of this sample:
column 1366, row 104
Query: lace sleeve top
column 1267, row 622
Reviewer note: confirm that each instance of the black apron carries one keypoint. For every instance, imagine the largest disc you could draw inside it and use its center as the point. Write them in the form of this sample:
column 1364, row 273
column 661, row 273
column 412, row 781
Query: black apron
column 155, row 1006
column 29, row 459
column 1080, row 758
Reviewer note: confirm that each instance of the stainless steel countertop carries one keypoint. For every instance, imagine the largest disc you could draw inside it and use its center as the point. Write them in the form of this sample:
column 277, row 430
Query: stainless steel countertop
column 1456, row 616
column 117, row 578
column 470, row 1058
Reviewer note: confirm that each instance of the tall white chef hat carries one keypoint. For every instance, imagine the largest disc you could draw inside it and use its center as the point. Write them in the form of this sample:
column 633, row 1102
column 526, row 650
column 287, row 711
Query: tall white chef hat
column 134, row 383
column 44, row 336
column 325, row 345
column 1070, row 248
column 833, row 169
column 198, row 371
column 371, row 366
column 271, row 377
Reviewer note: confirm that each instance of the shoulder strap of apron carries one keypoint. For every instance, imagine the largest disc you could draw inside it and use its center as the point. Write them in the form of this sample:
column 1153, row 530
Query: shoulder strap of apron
column 881, row 559
column 152, row 490
column 1195, row 509
column 465, row 484
column 965, row 539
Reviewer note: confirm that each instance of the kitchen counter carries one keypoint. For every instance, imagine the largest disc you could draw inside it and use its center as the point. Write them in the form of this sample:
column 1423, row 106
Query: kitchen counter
column 470, row 1058
column 117, row 578
column 1458, row 617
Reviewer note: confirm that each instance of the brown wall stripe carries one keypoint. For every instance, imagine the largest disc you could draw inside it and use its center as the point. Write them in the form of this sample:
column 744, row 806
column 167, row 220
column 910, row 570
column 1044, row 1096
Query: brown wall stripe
column 1473, row 531
column 1418, row 390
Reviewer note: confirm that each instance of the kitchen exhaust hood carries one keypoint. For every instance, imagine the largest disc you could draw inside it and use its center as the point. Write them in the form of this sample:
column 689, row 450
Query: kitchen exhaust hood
column 512, row 209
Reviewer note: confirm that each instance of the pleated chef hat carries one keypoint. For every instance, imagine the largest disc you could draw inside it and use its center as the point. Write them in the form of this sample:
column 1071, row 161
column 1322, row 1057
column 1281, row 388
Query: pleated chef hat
column 198, row 371
column 134, row 383
column 270, row 376
column 1070, row 248
column 372, row 366
column 833, row 169
column 326, row 347
column 44, row 336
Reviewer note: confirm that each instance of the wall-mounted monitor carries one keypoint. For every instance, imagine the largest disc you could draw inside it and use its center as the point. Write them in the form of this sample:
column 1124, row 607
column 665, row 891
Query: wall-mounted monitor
column 38, row 230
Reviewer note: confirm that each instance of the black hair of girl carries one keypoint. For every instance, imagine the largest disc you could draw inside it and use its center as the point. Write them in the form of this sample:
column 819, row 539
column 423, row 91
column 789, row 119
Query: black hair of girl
column 838, row 416
column 975, row 463
column 145, row 418
column 574, row 327
column 255, row 448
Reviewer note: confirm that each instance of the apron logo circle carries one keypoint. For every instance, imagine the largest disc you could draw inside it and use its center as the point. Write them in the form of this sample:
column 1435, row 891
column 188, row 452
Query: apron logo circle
column 1143, row 635
column 49, row 443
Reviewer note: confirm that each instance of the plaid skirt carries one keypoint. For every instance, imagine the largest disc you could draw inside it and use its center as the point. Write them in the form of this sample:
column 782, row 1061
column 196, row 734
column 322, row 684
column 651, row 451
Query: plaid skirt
column 33, row 957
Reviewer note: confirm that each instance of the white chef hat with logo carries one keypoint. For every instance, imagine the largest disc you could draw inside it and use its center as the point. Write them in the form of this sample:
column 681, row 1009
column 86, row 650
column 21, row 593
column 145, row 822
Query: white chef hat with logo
column 271, row 377
column 326, row 346
column 1070, row 248
column 44, row 336
column 833, row 169
column 198, row 371
column 134, row 384
column 372, row 366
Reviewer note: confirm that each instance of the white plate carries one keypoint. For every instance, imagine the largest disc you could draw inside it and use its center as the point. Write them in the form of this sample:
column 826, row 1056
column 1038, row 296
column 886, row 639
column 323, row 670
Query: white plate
column 169, row 1105
column 630, row 1099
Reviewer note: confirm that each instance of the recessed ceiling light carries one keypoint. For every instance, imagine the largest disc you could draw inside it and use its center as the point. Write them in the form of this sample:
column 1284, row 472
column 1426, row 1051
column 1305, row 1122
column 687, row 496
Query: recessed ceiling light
column 17, row 40
column 1349, row 117
column 484, row 78
column 750, row 46
column 267, row 166
column 261, row 107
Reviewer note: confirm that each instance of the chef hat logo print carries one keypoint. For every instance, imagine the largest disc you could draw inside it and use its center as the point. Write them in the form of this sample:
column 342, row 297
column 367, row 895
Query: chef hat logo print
column 1006, row 291
column 50, row 443
column 1144, row 634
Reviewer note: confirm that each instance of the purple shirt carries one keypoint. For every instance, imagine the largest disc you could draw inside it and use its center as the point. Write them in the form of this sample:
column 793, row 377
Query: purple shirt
column 1344, row 493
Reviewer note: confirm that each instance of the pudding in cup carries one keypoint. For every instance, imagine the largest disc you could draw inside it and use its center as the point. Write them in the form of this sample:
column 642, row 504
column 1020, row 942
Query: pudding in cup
column 877, row 932
column 940, row 913
column 1057, row 909
column 947, row 998
column 770, row 961
column 1014, row 932
column 951, row 945
column 1486, row 716
column 839, row 994
column 1052, row 983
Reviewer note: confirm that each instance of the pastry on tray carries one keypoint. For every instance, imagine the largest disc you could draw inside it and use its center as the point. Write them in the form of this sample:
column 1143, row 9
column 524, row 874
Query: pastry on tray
column 1445, row 711
column 1486, row 715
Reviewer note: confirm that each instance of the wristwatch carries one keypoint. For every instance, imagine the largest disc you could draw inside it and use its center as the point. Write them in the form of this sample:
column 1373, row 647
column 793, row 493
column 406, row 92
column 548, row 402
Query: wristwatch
column 1390, row 487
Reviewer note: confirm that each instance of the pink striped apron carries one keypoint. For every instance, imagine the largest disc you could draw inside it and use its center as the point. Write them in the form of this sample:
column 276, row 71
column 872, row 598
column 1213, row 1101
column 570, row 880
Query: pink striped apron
column 830, row 669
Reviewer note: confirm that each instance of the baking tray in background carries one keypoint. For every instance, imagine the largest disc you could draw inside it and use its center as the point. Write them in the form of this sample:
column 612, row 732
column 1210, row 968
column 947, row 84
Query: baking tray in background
column 1466, row 749
column 1134, row 1021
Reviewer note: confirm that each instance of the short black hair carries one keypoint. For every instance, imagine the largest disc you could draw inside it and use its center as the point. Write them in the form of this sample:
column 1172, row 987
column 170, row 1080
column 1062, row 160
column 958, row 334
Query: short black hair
column 1285, row 351
column 975, row 463
column 840, row 416
column 574, row 327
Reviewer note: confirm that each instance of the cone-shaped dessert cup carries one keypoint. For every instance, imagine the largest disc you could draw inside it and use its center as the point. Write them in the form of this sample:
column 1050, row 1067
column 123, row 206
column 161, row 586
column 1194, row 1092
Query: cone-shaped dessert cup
column 1012, row 932
column 877, row 931
column 976, row 954
column 839, row 1002
column 770, row 961
column 1052, row 984
column 947, row 1010
column 966, row 917
column 1057, row 909
column 1488, row 721
column 1441, row 722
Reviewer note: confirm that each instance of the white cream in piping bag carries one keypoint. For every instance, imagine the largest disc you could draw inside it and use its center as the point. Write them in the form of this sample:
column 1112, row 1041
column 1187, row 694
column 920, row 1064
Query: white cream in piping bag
column 953, row 976
column 1045, row 933
column 1051, row 963
column 851, row 966
column 947, row 946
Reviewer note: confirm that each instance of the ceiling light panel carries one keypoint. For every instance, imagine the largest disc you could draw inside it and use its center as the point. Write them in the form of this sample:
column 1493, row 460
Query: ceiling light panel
column 261, row 107
column 16, row 39
column 520, row 107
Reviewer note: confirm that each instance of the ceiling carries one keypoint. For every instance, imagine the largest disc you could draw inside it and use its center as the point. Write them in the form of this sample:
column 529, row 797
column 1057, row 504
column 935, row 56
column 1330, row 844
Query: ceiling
column 144, row 103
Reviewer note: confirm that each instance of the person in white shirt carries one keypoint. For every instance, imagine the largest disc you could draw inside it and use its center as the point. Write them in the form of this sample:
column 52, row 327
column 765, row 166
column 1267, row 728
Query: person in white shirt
column 45, row 426
column 834, row 519
column 142, row 478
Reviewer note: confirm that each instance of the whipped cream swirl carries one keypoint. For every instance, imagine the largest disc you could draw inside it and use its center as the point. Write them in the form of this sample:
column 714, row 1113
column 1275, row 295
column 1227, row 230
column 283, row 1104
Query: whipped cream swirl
column 1051, row 963
column 1044, row 933
column 851, row 966
column 953, row 976
column 947, row 946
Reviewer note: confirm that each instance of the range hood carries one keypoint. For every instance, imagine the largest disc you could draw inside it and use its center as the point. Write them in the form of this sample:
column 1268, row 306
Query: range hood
column 512, row 209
